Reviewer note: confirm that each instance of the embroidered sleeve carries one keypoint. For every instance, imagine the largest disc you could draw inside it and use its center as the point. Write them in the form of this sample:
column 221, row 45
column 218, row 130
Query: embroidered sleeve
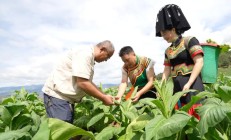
column 166, row 61
column 194, row 47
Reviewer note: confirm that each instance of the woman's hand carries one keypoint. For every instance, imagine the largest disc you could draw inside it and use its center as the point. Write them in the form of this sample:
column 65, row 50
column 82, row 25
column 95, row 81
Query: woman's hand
column 136, row 98
column 186, row 87
column 118, row 98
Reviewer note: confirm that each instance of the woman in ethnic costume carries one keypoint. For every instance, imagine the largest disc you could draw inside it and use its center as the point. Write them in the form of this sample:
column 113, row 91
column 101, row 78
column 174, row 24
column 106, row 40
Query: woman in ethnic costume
column 140, row 71
column 183, row 59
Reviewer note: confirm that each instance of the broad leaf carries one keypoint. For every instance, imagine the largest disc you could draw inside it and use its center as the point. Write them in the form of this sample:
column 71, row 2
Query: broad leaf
column 16, row 134
column 175, row 98
column 153, row 126
column 211, row 115
column 43, row 132
column 95, row 119
column 108, row 133
column 225, row 93
column 10, row 112
column 61, row 130
column 138, row 124
column 5, row 101
column 160, row 106
column 173, row 124
column 21, row 121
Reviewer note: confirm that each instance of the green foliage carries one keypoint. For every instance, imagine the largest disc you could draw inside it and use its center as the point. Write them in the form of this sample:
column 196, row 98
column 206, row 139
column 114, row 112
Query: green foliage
column 224, row 60
column 55, row 129
column 22, row 116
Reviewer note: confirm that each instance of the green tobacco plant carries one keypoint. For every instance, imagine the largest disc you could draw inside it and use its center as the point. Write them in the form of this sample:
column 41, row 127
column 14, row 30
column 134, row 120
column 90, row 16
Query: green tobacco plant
column 167, row 100
column 215, row 112
column 169, row 123
column 20, row 115
column 55, row 129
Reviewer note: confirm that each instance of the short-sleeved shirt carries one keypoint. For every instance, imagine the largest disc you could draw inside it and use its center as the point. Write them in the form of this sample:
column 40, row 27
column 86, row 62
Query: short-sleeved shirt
column 62, row 82
column 180, row 58
column 138, row 74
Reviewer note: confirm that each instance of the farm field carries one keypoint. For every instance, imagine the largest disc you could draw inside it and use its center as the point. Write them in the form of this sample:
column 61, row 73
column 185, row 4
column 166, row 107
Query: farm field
column 22, row 117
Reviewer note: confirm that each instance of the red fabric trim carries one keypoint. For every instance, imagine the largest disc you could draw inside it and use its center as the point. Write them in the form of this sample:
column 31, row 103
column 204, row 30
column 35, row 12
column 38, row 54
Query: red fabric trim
column 167, row 64
column 209, row 44
column 191, row 111
column 197, row 52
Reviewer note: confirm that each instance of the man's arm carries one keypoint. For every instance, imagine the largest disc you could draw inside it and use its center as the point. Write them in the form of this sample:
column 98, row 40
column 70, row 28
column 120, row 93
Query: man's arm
column 91, row 89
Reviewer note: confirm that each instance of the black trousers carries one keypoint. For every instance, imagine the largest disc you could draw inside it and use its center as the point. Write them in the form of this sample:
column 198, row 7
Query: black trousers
column 150, row 94
column 179, row 83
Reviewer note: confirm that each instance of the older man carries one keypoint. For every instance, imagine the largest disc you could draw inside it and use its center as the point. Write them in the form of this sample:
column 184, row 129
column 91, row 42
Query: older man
column 72, row 78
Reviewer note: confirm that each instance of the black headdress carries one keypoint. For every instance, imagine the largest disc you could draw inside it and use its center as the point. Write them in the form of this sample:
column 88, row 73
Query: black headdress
column 171, row 16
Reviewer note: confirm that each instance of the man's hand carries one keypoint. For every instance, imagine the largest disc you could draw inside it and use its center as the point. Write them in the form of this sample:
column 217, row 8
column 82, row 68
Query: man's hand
column 108, row 100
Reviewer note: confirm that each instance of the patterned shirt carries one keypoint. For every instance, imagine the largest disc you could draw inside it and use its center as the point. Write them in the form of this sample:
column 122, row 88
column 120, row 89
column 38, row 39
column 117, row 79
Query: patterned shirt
column 137, row 75
column 180, row 57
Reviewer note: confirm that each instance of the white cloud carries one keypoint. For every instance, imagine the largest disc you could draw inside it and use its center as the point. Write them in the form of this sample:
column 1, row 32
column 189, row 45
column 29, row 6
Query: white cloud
column 33, row 33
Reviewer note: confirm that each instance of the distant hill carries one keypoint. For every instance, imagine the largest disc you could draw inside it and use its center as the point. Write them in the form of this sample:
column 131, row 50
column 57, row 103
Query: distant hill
column 7, row 91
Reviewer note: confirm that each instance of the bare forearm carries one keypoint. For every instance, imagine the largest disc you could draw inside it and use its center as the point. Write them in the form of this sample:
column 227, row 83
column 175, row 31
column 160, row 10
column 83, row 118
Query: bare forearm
column 147, row 87
column 122, row 89
column 195, row 72
column 91, row 89
column 166, row 73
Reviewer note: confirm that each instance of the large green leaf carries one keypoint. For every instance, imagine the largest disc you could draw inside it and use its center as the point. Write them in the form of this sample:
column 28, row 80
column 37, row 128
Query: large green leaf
column 139, row 123
column 160, row 106
column 160, row 127
column 10, row 112
column 43, row 132
column 173, row 124
column 175, row 98
column 36, row 122
column 213, row 134
column 130, row 115
column 61, row 130
column 153, row 126
column 21, row 121
column 95, row 119
column 211, row 115
column 134, row 92
column 5, row 101
column 16, row 134
column 112, row 117
column 168, row 91
column 108, row 133
column 225, row 93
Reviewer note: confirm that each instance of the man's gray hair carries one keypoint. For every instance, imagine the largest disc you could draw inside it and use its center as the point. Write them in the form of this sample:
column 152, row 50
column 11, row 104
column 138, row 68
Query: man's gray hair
column 107, row 44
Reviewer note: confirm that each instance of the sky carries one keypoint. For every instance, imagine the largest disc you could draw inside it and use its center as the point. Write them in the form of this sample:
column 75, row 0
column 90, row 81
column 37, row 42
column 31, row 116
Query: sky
column 34, row 33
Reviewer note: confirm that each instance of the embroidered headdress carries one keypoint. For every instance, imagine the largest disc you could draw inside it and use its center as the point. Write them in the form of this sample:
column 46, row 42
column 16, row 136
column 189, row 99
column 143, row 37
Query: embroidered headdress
column 170, row 16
